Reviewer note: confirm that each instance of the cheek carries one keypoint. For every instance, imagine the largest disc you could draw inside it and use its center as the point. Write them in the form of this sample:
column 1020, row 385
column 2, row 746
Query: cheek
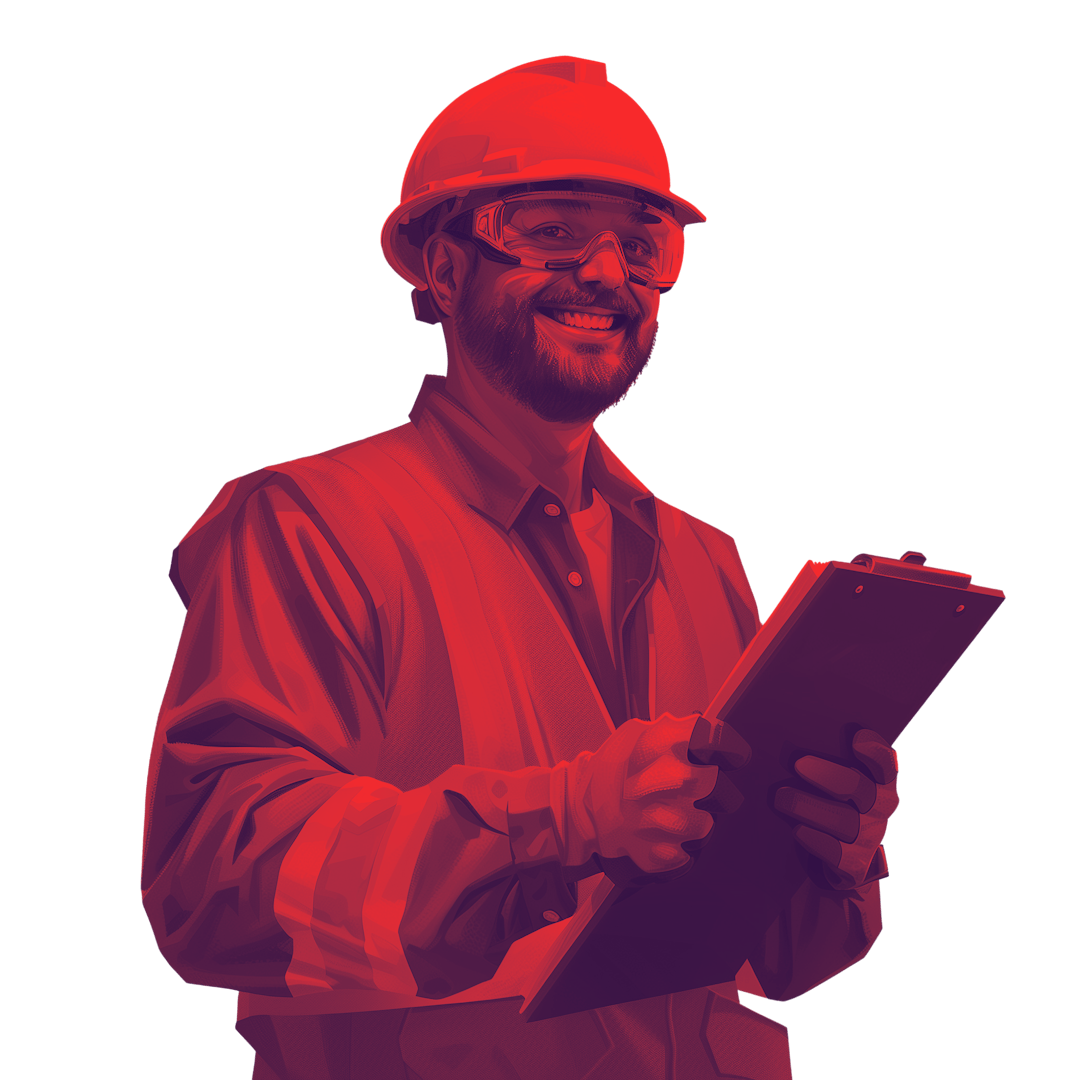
column 649, row 302
column 514, row 285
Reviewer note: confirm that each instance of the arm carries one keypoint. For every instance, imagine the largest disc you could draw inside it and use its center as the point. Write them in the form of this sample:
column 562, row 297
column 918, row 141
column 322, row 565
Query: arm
column 274, row 862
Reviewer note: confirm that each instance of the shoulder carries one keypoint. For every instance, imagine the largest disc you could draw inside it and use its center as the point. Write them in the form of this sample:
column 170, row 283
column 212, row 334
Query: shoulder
column 676, row 526
column 364, row 458
column 326, row 477
column 315, row 492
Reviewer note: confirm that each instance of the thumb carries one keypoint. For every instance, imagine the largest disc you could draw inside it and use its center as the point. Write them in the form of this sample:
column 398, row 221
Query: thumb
column 715, row 743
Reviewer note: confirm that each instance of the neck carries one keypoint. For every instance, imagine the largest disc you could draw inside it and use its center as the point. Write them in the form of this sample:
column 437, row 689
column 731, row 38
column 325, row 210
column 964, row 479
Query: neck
column 553, row 453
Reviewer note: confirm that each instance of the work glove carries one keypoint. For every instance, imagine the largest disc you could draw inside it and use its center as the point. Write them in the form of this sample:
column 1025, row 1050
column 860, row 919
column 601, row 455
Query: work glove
column 631, row 803
column 844, row 831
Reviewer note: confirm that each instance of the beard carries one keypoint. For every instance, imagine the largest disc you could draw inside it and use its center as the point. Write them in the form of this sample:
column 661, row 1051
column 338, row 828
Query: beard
column 560, row 383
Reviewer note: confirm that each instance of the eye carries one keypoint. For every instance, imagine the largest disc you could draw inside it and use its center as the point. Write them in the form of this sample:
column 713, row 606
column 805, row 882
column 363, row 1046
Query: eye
column 638, row 248
column 553, row 232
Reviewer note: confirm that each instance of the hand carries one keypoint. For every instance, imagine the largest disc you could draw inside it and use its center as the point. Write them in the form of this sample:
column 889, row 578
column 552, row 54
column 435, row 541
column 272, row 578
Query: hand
column 634, row 798
column 845, row 830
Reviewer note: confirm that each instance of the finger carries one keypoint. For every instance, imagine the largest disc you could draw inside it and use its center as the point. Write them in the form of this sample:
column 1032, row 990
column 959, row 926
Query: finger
column 669, row 773
column 663, row 817
column 845, row 867
column 835, row 818
column 667, row 821
column 839, row 781
column 826, row 848
column 661, row 857
column 717, row 743
column 876, row 754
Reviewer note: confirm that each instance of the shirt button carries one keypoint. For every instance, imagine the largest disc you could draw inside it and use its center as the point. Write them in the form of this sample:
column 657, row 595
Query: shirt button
column 552, row 510
column 552, row 916
column 574, row 578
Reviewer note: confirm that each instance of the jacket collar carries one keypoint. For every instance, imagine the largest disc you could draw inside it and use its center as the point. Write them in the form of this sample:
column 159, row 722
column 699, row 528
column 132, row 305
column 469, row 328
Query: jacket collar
column 494, row 482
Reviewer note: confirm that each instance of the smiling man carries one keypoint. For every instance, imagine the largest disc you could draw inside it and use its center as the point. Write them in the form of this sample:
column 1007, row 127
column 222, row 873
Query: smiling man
column 550, row 311
column 433, row 685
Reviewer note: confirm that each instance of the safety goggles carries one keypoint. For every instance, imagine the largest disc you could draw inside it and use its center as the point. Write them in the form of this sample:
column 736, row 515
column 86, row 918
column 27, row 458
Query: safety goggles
column 560, row 230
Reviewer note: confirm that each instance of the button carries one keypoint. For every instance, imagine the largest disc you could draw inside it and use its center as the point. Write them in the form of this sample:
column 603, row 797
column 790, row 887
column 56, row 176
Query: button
column 574, row 578
column 552, row 510
column 552, row 916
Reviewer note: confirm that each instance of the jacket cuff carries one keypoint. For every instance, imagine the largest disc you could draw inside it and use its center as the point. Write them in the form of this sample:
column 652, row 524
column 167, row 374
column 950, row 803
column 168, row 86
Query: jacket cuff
column 537, row 809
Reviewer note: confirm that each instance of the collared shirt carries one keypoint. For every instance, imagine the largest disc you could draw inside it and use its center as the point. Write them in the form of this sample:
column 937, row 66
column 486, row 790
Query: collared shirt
column 592, row 527
column 501, row 488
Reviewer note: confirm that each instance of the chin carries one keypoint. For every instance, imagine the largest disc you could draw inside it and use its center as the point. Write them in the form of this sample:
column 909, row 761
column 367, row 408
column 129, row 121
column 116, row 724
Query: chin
column 585, row 366
column 561, row 381
column 576, row 385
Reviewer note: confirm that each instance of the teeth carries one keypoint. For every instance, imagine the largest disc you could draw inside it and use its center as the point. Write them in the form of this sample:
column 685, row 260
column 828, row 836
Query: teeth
column 585, row 322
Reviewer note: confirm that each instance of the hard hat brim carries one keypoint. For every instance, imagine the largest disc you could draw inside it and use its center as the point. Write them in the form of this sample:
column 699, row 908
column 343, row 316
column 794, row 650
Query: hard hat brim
column 407, row 259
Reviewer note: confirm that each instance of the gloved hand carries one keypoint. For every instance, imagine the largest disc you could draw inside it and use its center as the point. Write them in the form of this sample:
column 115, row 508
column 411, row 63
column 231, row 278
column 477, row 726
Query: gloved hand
column 845, row 830
column 633, row 799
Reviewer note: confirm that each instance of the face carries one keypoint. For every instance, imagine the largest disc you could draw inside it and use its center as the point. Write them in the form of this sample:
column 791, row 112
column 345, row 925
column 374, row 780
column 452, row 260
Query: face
column 567, row 344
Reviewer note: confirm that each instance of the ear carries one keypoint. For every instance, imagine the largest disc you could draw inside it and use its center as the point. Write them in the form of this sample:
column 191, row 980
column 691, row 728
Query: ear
column 447, row 265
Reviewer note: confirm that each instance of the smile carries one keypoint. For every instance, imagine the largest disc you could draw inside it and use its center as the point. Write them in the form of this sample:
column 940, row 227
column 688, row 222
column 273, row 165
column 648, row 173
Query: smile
column 584, row 320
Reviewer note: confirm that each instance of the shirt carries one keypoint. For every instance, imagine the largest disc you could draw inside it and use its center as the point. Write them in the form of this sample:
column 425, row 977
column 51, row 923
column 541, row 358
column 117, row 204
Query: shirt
column 592, row 527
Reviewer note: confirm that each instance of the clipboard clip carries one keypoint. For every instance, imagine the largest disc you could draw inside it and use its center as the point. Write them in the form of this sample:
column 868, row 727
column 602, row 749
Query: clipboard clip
column 911, row 565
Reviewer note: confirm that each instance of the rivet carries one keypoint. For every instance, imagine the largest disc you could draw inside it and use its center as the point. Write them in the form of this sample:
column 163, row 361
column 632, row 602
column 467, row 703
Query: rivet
column 574, row 578
column 552, row 916
column 858, row 589
column 959, row 608
column 552, row 510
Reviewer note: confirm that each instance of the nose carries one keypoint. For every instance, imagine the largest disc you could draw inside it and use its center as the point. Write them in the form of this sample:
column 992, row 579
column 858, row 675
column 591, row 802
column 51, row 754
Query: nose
column 604, row 266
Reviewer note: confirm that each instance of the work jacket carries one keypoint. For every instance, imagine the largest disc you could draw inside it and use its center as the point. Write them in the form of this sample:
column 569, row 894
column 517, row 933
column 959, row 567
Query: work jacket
column 381, row 640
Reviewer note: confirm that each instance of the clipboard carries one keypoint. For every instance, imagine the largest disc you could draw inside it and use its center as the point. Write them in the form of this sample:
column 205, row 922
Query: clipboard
column 850, row 645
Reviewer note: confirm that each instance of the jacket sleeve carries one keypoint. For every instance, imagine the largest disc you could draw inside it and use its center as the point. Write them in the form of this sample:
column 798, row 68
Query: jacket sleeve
column 820, row 931
column 274, row 862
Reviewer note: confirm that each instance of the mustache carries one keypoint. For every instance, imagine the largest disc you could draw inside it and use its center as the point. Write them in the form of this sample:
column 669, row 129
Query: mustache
column 605, row 298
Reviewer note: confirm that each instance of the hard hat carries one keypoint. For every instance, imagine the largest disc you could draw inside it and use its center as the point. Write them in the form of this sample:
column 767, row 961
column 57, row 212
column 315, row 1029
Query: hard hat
column 554, row 119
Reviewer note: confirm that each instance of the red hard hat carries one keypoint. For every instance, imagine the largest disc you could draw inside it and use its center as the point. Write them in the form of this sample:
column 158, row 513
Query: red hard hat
column 555, row 119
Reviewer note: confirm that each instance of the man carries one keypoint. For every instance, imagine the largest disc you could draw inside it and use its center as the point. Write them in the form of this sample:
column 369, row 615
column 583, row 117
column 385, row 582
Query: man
column 434, row 683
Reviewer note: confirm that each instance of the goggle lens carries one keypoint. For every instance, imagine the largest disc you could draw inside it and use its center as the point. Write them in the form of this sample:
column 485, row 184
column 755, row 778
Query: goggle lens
column 557, row 230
